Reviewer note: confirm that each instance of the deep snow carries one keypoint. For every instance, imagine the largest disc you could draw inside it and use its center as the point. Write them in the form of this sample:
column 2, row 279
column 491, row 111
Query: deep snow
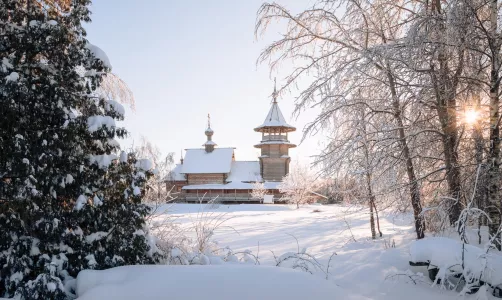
column 373, row 269
column 227, row 282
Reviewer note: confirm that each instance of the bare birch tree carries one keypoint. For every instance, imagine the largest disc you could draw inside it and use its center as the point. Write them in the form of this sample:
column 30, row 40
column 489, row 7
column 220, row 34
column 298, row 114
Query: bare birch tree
column 259, row 191
column 488, row 32
column 157, row 191
column 343, row 53
column 422, row 66
column 299, row 186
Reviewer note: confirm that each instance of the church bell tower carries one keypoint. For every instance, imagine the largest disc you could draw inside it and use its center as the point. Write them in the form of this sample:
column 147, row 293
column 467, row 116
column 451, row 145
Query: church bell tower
column 274, row 145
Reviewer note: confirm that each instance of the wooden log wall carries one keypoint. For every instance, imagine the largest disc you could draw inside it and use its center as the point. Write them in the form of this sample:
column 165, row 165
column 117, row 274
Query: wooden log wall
column 274, row 169
column 206, row 178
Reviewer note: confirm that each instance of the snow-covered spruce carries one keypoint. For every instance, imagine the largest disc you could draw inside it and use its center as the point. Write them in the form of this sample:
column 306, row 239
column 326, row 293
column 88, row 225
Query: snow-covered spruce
column 66, row 203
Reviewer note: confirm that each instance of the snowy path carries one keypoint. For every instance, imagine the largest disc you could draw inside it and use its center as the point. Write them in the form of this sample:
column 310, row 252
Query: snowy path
column 366, row 267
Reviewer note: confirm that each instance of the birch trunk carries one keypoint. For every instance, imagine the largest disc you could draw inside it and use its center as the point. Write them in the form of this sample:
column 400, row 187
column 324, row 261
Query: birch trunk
column 368, row 167
column 372, row 220
column 410, row 170
column 377, row 219
column 494, row 153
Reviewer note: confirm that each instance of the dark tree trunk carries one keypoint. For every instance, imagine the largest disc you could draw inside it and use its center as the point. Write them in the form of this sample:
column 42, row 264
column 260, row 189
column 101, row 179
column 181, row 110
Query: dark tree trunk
column 449, row 138
column 480, row 192
column 377, row 219
column 445, row 82
column 493, row 164
column 410, row 170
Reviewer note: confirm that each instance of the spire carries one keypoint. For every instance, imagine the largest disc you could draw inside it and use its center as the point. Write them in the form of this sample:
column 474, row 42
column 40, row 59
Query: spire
column 275, row 119
column 274, row 95
column 209, row 144
column 181, row 156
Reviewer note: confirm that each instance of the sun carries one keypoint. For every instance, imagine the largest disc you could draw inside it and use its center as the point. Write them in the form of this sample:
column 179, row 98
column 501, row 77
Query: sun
column 471, row 116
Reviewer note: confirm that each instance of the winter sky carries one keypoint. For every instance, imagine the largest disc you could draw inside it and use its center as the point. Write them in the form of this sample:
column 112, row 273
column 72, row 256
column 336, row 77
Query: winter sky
column 184, row 59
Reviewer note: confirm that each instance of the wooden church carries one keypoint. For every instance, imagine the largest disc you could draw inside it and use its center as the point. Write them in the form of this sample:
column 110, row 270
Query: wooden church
column 209, row 172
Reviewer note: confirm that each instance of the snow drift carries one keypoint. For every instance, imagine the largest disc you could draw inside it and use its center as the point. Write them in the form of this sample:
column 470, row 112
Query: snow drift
column 227, row 282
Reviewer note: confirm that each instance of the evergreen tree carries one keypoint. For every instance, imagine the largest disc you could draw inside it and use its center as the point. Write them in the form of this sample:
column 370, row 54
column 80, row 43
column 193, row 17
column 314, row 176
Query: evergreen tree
column 115, row 216
column 66, row 203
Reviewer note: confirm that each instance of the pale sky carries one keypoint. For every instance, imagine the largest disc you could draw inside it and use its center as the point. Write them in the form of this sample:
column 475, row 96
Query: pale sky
column 184, row 59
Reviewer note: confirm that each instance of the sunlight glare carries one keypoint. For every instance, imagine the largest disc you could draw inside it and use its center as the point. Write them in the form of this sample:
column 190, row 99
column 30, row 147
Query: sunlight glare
column 471, row 116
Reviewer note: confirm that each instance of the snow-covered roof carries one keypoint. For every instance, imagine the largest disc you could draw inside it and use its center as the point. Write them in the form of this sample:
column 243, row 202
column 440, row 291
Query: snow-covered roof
column 175, row 174
column 238, row 185
column 275, row 142
column 209, row 143
column 275, row 119
column 320, row 195
column 246, row 171
column 198, row 161
column 272, row 185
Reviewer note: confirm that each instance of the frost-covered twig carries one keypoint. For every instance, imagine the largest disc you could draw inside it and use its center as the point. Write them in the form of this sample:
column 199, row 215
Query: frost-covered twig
column 329, row 262
column 350, row 229
column 297, row 243
column 301, row 260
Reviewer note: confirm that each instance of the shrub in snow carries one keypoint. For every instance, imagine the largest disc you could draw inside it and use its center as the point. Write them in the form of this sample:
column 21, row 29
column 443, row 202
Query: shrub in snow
column 170, row 235
column 217, row 256
column 181, row 248
column 298, row 260
column 170, row 238
column 64, row 197
column 302, row 260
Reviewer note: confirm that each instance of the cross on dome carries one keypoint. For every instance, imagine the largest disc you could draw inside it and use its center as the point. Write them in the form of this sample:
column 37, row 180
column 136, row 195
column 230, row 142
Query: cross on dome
column 209, row 144
column 209, row 131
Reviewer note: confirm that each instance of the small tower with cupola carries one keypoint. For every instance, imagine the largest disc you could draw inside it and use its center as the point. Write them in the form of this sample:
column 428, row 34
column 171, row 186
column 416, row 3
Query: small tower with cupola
column 274, row 145
column 209, row 144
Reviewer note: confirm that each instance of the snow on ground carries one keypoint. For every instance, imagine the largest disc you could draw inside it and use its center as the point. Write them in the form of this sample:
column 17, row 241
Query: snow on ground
column 369, row 268
column 227, row 282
